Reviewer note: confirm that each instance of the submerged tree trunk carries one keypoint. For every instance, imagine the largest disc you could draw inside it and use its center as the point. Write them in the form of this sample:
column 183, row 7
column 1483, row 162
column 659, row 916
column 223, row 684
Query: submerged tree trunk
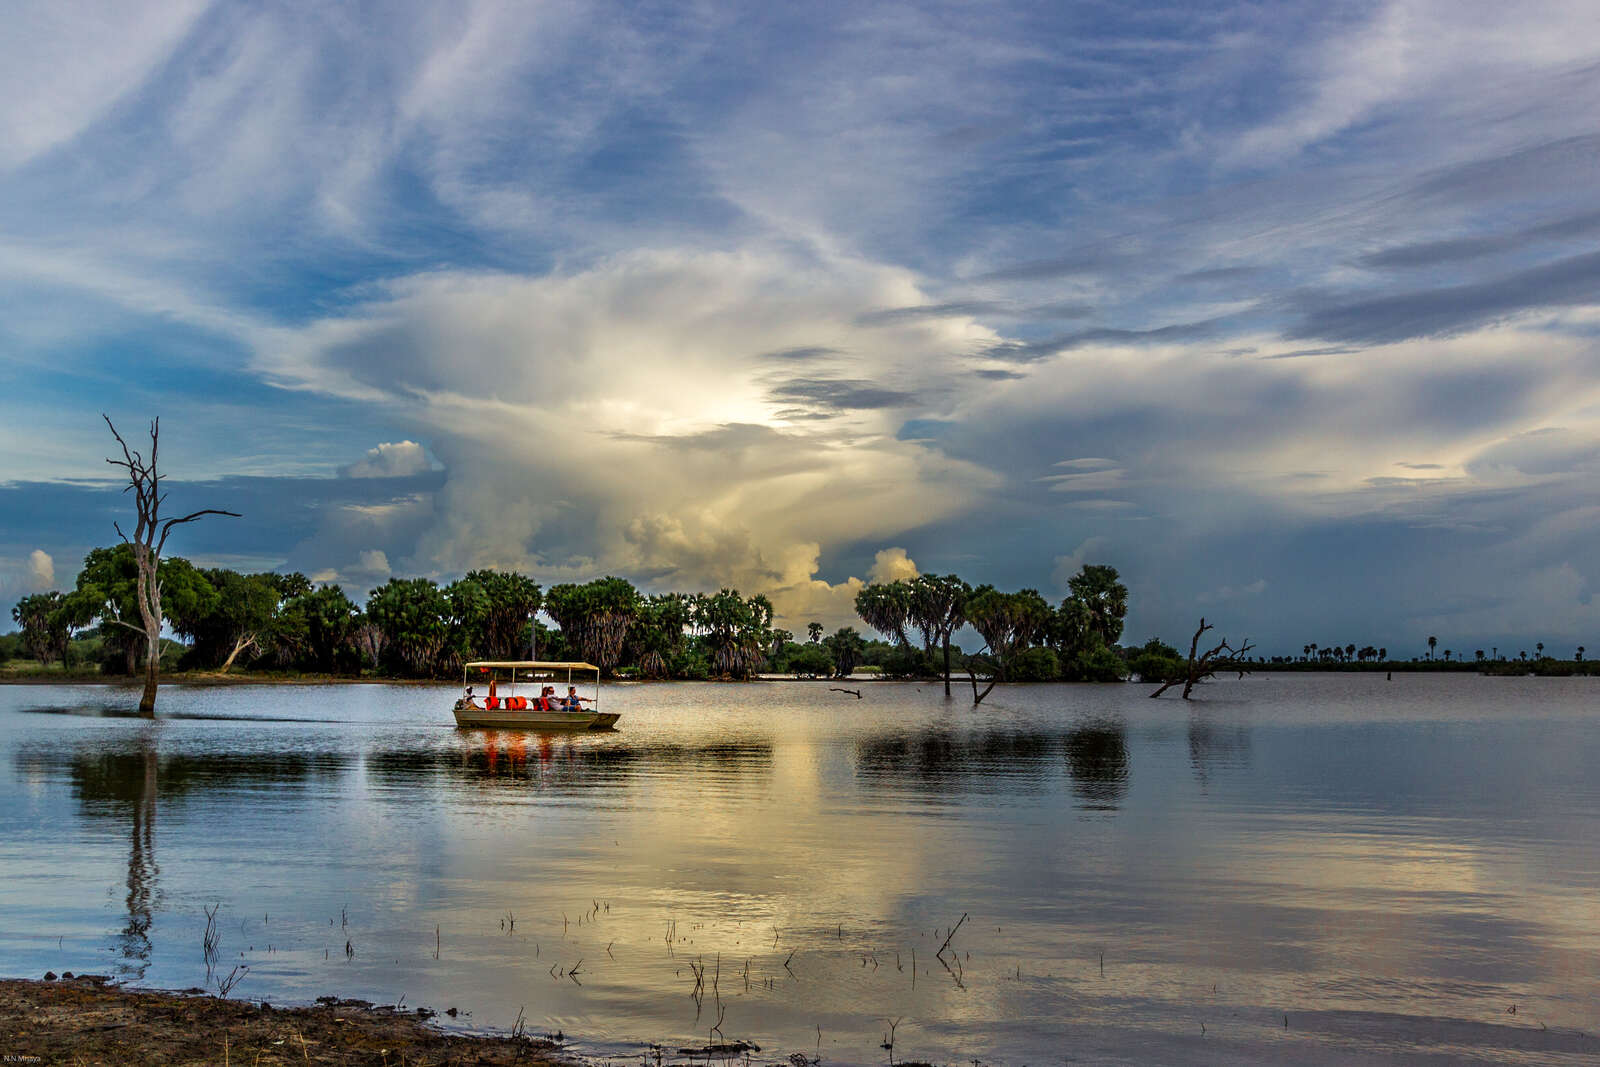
column 977, row 697
column 149, row 538
column 149, row 596
column 947, row 666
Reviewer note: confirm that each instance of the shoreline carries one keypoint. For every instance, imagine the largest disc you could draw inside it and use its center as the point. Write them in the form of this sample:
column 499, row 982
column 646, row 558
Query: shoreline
column 89, row 1018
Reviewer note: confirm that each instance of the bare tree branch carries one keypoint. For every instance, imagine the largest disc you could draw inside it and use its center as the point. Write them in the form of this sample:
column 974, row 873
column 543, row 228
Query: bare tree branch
column 167, row 526
column 148, row 541
column 1200, row 667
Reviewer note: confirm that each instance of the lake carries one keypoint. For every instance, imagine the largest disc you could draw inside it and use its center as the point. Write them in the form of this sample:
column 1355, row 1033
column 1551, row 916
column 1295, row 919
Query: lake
column 1297, row 867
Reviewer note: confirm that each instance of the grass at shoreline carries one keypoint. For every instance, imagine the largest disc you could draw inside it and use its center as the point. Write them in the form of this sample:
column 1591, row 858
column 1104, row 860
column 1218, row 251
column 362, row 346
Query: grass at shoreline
column 89, row 1020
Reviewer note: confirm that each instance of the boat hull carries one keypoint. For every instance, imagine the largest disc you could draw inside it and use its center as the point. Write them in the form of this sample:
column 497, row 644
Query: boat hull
column 533, row 719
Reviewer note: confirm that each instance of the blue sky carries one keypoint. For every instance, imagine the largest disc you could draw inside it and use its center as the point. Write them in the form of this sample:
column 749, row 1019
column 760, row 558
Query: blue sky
column 1288, row 311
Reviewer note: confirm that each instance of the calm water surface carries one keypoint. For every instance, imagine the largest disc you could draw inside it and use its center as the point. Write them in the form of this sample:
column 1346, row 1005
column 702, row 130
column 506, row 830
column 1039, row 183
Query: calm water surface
column 1298, row 867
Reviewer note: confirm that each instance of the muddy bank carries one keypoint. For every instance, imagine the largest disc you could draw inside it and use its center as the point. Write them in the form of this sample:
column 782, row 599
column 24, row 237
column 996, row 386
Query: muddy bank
column 88, row 1021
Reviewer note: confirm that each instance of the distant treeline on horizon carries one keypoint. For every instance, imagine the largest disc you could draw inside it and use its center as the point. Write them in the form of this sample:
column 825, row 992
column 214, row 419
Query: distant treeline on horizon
column 415, row 628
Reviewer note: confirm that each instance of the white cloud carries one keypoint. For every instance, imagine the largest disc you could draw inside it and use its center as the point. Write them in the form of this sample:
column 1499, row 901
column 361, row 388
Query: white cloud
column 630, row 418
column 397, row 459
column 66, row 62
column 1443, row 51
column 41, row 571
column 891, row 565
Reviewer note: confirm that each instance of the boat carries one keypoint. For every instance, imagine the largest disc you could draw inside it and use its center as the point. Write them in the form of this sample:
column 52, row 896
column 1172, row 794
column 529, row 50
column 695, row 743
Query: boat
column 546, row 710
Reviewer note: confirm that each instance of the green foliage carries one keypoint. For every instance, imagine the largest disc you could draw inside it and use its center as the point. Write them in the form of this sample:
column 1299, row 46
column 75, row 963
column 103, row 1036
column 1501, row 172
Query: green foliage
column 498, row 624
column 106, row 593
column 1103, row 600
column 1036, row 664
column 899, row 661
column 46, row 626
column 886, row 607
column 1007, row 622
column 234, row 620
column 595, row 618
column 411, row 614
column 413, row 627
column 736, row 631
column 847, row 649
column 937, row 606
column 810, row 661
column 1156, row 661
column 1094, row 663
column 320, row 627
column 658, row 633
column 692, row 663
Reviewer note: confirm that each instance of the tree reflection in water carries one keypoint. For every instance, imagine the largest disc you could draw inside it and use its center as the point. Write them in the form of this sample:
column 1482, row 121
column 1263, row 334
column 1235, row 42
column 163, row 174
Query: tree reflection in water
column 995, row 761
column 1213, row 748
column 134, row 941
column 126, row 783
column 1097, row 760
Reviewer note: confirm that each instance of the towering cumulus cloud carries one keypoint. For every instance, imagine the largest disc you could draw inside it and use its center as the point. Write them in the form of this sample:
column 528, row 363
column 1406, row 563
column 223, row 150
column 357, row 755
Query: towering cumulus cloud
column 690, row 420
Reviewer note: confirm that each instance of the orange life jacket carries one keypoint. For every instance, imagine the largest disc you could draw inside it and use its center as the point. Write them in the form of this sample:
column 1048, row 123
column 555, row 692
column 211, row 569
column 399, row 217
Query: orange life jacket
column 491, row 702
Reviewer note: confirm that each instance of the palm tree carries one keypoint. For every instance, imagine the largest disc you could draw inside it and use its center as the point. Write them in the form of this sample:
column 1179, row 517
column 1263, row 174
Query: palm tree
column 657, row 634
column 886, row 607
column 1580, row 652
column 1306, row 651
column 1540, row 646
column 735, row 629
column 1447, row 655
column 1098, row 589
column 815, row 630
column 1480, row 655
column 1349, row 650
column 1008, row 623
column 595, row 617
column 939, row 609
column 1432, row 642
column 1383, row 653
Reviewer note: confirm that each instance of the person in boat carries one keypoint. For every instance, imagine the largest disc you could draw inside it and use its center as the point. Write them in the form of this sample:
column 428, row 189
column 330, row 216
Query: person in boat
column 574, row 701
column 468, row 698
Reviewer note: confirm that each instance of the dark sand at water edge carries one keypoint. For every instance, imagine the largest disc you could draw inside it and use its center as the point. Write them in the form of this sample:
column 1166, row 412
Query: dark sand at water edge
column 87, row 1021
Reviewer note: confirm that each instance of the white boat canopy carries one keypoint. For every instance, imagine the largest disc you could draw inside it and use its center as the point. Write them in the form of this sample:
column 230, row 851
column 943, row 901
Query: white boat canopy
column 533, row 664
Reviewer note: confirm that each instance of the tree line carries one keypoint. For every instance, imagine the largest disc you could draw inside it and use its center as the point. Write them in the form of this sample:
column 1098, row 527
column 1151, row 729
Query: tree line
column 416, row 628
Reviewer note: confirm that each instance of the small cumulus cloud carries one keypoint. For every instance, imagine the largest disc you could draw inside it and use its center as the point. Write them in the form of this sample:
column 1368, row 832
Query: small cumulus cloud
column 369, row 569
column 398, row 459
column 41, row 571
column 892, row 565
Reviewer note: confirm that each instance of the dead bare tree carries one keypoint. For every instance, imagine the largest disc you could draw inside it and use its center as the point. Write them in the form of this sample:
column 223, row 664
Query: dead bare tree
column 1224, row 657
column 148, row 540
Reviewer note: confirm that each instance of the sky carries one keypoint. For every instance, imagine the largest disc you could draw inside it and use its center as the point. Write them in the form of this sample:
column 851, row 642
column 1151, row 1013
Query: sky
column 1288, row 311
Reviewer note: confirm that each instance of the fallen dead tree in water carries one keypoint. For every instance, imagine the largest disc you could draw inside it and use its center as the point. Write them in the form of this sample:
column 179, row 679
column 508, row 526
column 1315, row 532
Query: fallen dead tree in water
column 1223, row 657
